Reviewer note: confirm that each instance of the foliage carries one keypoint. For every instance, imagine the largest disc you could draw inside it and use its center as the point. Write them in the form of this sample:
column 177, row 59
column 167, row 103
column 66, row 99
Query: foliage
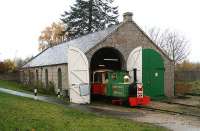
column 188, row 66
column 172, row 43
column 7, row 66
column 88, row 16
column 24, row 114
column 51, row 87
column 52, row 35
column 184, row 87
column 39, row 85
column 2, row 67
column 195, row 87
column 19, row 62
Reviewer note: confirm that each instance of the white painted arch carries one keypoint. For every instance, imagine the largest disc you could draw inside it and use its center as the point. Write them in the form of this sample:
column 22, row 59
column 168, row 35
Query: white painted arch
column 78, row 75
column 135, row 61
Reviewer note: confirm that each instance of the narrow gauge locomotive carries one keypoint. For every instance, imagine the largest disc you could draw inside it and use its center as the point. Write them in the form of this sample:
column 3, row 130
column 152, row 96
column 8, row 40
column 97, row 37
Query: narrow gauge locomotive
column 117, row 85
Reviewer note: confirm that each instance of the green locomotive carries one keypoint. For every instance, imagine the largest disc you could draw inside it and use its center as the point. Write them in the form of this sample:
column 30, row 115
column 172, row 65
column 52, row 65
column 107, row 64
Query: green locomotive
column 116, row 84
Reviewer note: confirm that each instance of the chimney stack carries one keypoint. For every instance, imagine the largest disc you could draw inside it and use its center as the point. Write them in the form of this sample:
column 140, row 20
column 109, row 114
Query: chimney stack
column 127, row 17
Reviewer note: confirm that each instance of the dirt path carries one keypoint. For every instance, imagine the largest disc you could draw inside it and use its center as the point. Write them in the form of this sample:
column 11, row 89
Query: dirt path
column 173, row 122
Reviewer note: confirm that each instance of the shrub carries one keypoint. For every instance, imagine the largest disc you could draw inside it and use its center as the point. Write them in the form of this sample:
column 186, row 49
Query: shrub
column 182, row 87
column 39, row 85
column 51, row 87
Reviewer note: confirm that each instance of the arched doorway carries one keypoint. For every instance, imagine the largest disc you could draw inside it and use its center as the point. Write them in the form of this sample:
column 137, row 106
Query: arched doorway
column 149, row 67
column 106, row 62
column 78, row 75
column 106, row 58
column 153, row 73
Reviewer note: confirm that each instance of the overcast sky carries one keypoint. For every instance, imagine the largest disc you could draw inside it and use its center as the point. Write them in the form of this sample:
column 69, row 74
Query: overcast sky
column 21, row 21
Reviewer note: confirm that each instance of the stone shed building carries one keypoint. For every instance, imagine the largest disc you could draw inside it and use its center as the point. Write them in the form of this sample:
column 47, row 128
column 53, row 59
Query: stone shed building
column 116, row 42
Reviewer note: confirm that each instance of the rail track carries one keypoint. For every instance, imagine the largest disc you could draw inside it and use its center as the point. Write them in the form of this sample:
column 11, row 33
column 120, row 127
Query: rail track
column 193, row 94
column 171, row 111
column 181, row 104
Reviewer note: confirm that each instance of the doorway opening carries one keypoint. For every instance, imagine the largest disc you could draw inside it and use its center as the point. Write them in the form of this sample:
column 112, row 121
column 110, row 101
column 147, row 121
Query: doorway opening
column 104, row 63
column 107, row 58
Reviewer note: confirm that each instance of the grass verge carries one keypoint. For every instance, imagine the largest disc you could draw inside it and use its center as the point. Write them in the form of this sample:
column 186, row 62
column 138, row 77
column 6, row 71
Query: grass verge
column 19, row 113
column 14, row 86
column 22, row 88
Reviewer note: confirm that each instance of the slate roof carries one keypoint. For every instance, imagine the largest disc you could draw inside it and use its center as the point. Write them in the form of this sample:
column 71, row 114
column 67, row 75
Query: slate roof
column 58, row 54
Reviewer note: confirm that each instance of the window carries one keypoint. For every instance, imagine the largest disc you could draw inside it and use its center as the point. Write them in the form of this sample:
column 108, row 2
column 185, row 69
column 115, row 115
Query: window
column 23, row 77
column 114, row 76
column 59, row 78
column 37, row 77
column 98, row 77
column 46, row 77
column 29, row 77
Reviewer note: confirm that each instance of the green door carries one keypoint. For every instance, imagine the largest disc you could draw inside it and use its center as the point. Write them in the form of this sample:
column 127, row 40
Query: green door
column 152, row 73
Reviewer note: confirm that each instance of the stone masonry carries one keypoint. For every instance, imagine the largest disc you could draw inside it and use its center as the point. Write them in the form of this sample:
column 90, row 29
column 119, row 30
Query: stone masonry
column 29, row 75
column 128, row 37
column 125, row 38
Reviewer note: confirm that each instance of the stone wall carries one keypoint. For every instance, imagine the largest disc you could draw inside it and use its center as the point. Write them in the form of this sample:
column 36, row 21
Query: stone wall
column 29, row 75
column 128, row 37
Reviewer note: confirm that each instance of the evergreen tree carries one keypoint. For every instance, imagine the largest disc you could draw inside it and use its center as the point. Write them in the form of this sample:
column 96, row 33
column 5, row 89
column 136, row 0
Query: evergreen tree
column 88, row 16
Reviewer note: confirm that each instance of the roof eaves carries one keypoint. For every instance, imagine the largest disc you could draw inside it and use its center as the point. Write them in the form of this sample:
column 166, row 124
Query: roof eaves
column 34, row 57
column 44, row 65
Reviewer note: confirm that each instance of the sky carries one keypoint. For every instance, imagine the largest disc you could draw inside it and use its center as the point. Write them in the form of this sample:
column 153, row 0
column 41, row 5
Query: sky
column 21, row 21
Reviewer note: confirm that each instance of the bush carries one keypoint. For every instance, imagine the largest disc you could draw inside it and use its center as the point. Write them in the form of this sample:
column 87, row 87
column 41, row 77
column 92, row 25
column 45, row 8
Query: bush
column 51, row 87
column 49, row 90
column 182, row 88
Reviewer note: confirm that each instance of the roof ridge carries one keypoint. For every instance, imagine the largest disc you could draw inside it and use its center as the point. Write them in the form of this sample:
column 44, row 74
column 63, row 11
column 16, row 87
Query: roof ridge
column 65, row 42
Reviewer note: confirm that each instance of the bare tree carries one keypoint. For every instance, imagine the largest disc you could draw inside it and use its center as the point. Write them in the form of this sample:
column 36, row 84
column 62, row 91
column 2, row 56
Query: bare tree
column 176, row 46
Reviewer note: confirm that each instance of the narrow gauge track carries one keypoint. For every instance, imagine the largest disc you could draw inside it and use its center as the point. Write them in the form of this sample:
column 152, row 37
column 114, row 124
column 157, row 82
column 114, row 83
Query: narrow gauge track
column 193, row 94
column 167, row 111
column 181, row 104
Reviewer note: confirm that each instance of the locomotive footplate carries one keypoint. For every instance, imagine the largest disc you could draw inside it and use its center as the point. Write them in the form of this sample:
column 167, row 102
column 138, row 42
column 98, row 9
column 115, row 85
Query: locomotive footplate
column 140, row 99
column 135, row 101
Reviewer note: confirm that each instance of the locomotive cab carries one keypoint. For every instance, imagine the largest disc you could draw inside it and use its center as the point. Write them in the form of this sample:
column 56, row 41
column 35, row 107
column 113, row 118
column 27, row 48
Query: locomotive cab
column 100, row 81
column 111, row 83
